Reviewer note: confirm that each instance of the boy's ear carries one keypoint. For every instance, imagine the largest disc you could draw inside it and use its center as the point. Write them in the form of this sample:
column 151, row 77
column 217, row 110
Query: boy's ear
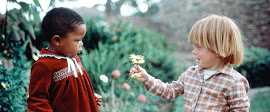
column 56, row 40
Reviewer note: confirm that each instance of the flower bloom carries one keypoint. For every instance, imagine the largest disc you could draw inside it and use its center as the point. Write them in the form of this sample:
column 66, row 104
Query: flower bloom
column 142, row 98
column 104, row 78
column 136, row 75
column 5, row 86
column 116, row 73
column 35, row 57
column 126, row 86
column 136, row 59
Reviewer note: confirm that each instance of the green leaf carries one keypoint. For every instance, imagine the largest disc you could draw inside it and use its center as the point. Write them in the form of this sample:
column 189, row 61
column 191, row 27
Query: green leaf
column 38, row 4
column 52, row 3
column 12, row 16
column 30, row 28
column 36, row 17
column 24, row 6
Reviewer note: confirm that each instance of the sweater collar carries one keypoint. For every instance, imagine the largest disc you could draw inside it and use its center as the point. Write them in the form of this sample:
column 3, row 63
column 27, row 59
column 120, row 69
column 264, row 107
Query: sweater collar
column 71, row 62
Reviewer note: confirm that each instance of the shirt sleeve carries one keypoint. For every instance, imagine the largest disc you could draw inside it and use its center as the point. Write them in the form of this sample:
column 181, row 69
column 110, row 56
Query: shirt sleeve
column 40, row 80
column 165, row 90
column 238, row 98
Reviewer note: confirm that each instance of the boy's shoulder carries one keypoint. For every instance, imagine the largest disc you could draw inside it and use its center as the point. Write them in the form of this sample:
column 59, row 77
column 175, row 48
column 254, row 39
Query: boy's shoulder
column 237, row 76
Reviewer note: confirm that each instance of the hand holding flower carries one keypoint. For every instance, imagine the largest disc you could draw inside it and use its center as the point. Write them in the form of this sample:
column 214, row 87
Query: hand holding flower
column 136, row 59
column 137, row 69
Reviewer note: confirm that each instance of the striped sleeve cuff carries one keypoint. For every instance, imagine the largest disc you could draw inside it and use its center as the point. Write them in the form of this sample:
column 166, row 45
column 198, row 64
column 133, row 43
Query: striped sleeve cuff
column 149, row 82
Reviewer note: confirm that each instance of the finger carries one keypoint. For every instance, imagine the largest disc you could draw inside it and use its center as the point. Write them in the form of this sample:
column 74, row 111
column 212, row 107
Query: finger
column 133, row 70
column 138, row 67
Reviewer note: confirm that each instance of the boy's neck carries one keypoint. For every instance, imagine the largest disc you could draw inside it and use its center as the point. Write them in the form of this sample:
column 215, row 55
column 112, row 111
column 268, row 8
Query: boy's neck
column 217, row 67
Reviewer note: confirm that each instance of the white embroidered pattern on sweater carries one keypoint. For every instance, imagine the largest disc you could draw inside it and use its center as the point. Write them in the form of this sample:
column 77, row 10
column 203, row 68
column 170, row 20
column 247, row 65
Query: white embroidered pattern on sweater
column 72, row 69
column 62, row 74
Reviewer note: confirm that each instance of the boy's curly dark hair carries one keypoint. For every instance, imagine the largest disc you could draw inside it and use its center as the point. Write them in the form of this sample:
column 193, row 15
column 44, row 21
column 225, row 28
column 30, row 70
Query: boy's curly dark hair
column 60, row 21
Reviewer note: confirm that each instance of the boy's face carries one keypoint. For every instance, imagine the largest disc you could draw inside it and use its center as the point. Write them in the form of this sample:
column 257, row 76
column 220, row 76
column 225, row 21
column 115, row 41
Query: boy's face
column 71, row 43
column 206, row 58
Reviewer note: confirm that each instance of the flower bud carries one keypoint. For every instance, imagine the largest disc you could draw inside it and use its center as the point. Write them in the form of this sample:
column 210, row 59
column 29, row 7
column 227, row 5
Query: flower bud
column 126, row 86
column 116, row 73
column 142, row 98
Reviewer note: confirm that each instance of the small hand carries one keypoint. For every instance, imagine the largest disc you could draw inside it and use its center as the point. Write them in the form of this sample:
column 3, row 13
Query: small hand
column 98, row 99
column 138, row 69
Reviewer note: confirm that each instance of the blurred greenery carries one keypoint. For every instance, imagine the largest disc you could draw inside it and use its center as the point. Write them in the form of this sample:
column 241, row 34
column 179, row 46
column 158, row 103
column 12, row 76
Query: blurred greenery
column 179, row 104
column 106, row 48
column 14, row 79
column 260, row 103
column 256, row 66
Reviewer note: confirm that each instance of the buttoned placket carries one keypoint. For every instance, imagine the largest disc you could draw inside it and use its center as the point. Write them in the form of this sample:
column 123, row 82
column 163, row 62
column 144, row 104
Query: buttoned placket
column 196, row 97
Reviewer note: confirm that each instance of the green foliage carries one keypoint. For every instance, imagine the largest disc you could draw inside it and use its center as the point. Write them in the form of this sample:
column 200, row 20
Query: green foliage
column 14, row 79
column 179, row 104
column 260, row 103
column 108, row 48
column 19, row 27
column 256, row 66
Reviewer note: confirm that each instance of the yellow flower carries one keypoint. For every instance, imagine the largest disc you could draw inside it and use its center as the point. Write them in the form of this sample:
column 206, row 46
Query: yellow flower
column 136, row 75
column 136, row 59
column 35, row 57
column 5, row 51
column 4, row 85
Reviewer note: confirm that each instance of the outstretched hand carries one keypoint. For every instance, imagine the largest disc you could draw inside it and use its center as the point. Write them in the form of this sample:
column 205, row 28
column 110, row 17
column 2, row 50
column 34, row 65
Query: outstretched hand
column 98, row 99
column 137, row 69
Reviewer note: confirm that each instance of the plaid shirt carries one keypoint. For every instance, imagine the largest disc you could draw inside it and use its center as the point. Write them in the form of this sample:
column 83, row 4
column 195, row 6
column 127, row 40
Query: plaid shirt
column 226, row 90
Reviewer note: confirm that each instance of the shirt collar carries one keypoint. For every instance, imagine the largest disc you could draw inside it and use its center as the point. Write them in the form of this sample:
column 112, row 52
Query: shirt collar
column 226, row 69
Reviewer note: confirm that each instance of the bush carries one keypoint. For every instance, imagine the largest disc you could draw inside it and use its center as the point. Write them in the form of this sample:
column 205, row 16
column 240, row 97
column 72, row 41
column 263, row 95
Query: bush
column 179, row 104
column 256, row 66
column 260, row 102
column 108, row 48
column 14, row 81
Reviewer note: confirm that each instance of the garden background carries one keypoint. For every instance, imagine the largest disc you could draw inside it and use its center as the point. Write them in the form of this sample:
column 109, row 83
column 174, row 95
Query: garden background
column 156, row 29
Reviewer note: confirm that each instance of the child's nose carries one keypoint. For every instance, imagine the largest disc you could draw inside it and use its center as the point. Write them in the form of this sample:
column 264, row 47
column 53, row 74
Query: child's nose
column 81, row 43
column 194, row 51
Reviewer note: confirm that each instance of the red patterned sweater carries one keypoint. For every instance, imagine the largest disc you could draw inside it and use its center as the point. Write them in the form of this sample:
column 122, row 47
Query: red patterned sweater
column 55, row 87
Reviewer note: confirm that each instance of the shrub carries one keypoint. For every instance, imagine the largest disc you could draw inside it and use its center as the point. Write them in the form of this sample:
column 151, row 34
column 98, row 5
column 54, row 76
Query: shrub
column 111, row 49
column 256, row 66
column 14, row 82
column 179, row 104
column 260, row 102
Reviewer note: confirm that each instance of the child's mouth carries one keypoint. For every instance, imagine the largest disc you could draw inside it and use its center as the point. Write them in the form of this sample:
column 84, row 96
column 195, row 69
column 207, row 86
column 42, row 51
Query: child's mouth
column 197, row 59
column 79, row 52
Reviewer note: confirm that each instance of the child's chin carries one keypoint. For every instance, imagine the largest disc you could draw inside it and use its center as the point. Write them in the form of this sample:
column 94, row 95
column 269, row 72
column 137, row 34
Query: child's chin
column 200, row 65
column 79, row 52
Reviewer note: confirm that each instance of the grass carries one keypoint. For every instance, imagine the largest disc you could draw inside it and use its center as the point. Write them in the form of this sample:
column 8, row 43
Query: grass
column 261, row 102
